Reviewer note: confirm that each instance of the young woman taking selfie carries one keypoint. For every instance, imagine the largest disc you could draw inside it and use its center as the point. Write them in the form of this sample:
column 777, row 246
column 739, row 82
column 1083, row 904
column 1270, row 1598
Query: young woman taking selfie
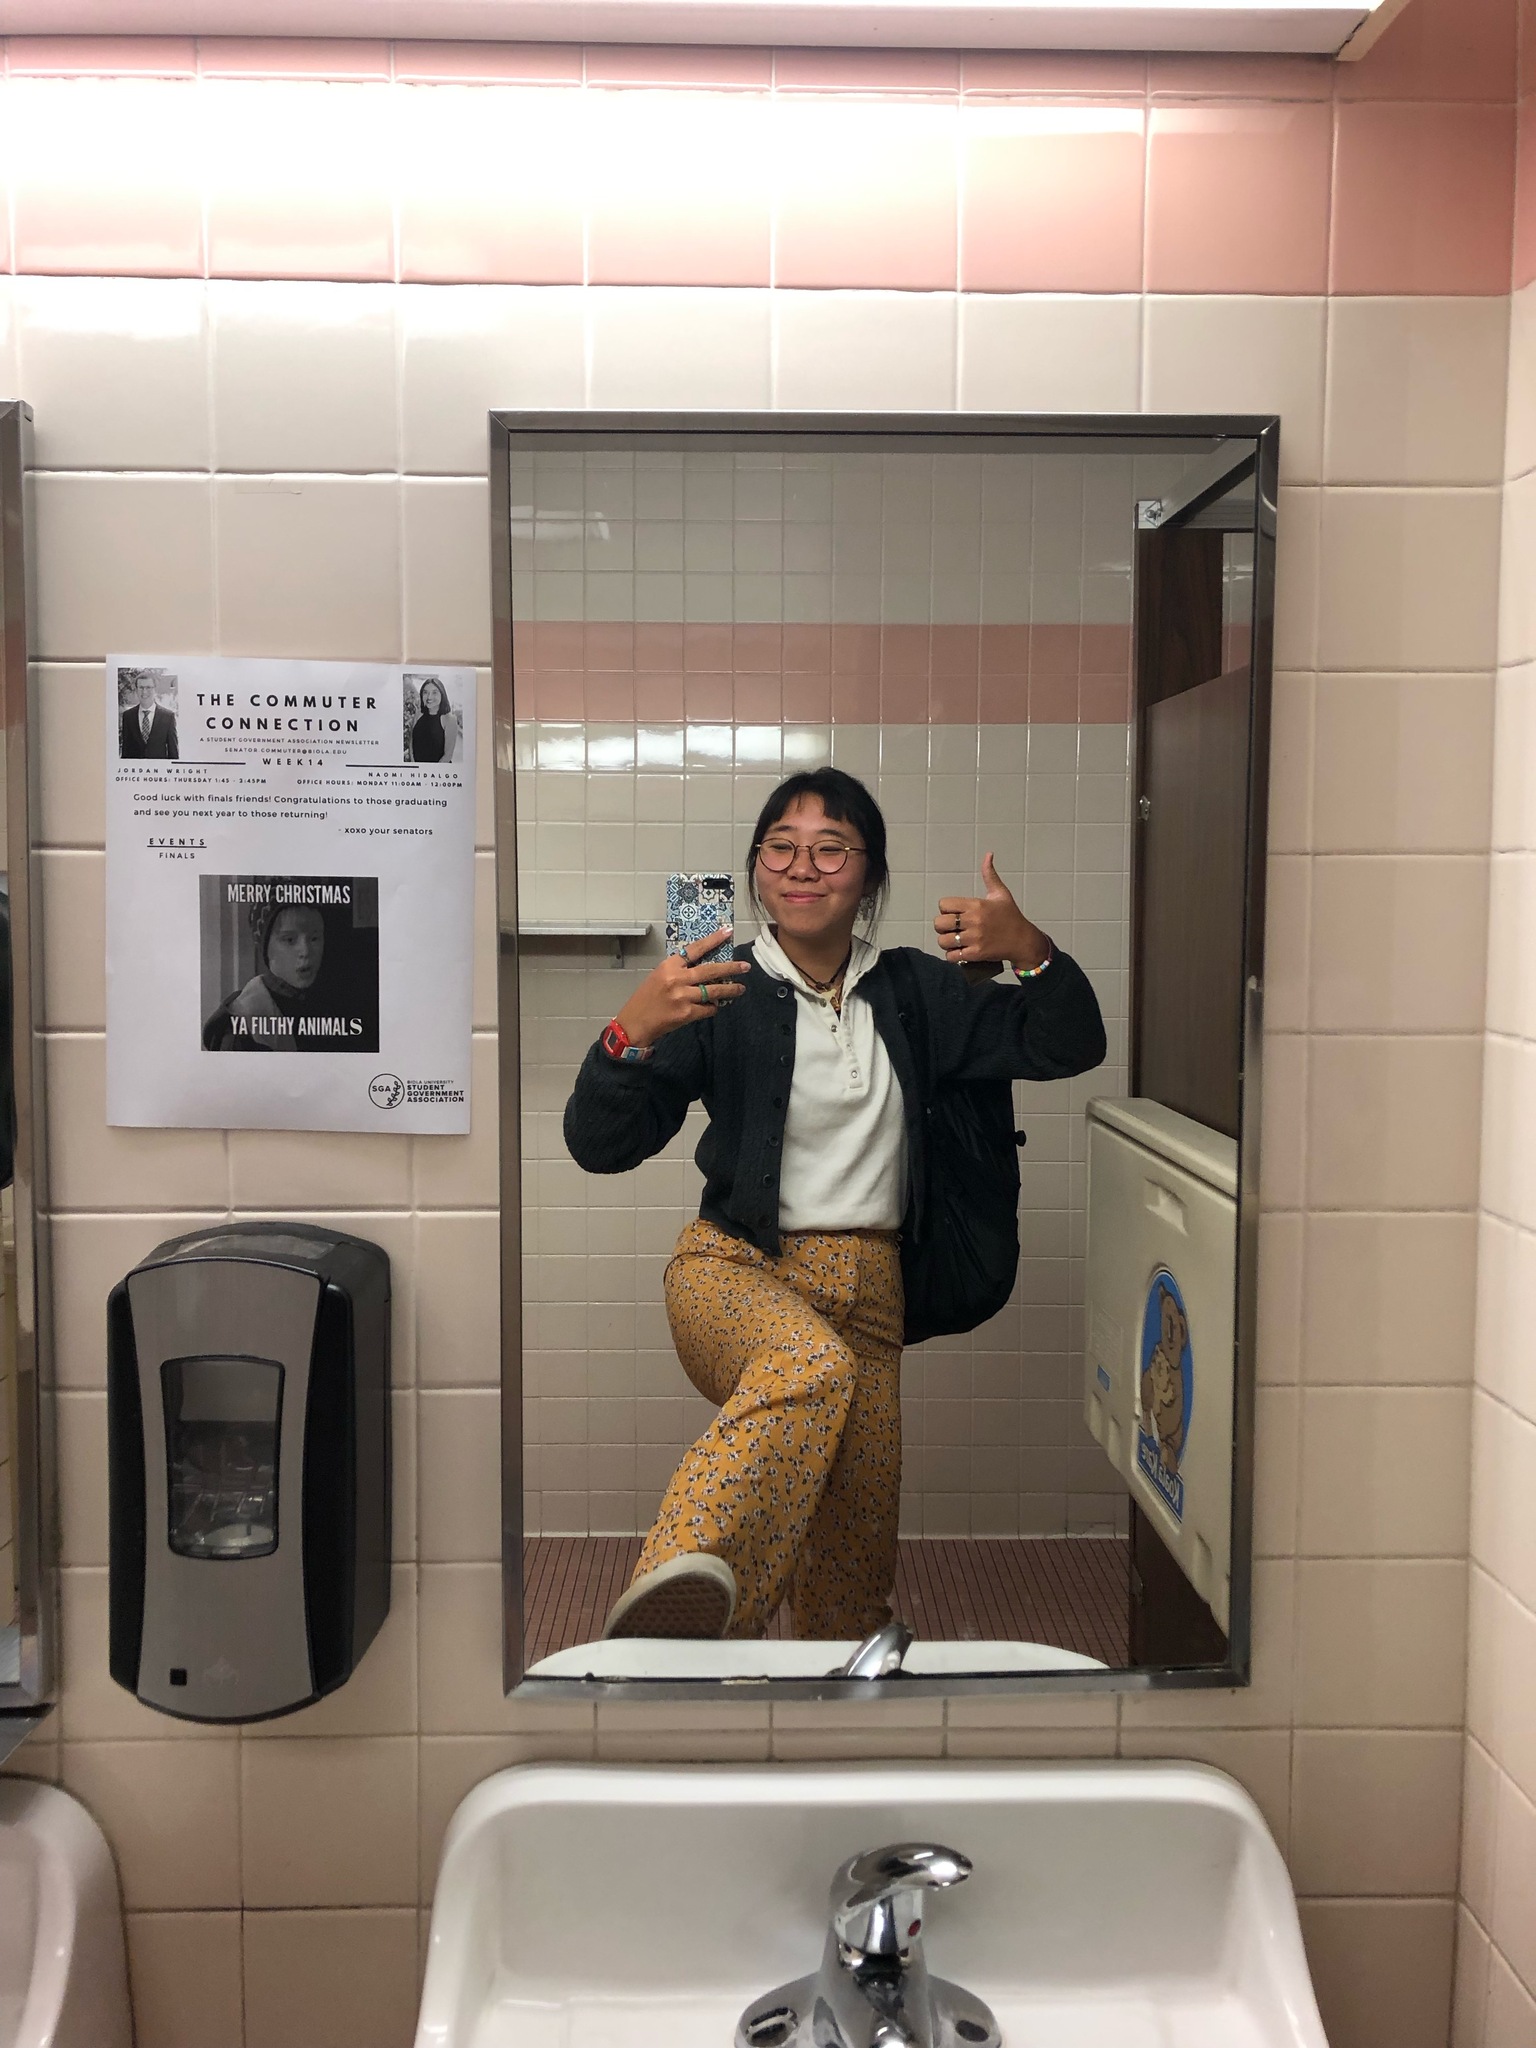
column 818, row 1059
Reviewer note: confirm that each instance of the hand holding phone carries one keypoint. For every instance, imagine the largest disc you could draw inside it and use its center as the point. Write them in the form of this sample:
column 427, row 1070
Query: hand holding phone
column 682, row 989
column 698, row 905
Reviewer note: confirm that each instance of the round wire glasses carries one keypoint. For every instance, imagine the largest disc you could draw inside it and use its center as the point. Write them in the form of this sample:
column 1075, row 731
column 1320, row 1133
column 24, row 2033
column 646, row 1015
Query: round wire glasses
column 829, row 856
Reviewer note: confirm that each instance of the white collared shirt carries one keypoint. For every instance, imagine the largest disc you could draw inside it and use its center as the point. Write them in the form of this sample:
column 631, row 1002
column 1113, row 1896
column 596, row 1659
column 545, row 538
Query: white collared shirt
column 845, row 1141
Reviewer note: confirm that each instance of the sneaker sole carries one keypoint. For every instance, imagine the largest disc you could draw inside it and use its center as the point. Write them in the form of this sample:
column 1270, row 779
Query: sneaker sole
column 690, row 1605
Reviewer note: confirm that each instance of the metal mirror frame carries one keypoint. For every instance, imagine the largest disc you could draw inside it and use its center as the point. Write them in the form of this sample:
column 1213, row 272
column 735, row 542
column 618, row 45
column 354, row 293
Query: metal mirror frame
column 26, row 1303
column 1149, row 433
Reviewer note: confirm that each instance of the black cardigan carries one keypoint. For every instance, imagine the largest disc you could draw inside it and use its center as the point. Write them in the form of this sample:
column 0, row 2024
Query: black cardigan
column 741, row 1063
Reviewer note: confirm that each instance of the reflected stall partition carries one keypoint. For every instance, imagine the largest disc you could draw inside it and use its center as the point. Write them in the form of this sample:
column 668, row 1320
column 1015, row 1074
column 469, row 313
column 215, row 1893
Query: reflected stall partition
column 963, row 723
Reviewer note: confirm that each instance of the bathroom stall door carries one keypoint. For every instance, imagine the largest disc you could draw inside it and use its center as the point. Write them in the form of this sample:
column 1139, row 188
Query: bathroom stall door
column 1192, row 720
column 1192, row 713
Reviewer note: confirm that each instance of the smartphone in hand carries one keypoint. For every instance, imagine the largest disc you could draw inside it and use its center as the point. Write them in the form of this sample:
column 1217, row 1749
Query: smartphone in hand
column 697, row 905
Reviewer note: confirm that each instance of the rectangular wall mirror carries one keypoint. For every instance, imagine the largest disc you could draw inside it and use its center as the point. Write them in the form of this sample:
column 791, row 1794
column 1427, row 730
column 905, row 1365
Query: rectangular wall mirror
column 27, row 1588
column 1044, row 639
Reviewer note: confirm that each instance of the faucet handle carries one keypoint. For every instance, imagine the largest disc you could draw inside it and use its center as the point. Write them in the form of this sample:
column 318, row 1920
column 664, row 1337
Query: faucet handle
column 877, row 1902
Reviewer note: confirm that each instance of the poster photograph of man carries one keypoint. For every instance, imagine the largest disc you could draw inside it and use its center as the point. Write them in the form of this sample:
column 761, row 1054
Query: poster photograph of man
column 146, row 714
column 434, row 721
column 290, row 963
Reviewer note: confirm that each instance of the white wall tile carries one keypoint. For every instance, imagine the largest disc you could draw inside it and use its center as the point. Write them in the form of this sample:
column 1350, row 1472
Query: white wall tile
column 460, row 1475
column 1520, row 452
column 1504, row 1497
column 1381, row 1969
column 304, row 376
column 1376, row 1812
column 1375, row 924
column 1241, row 355
column 677, row 349
column 124, row 565
column 310, row 566
column 1358, row 1445
column 1416, row 391
column 287, row 1170
column 447, row 571
column 92, row 1166
column 1409, row 579
column 328, row 1823
column 184, row 1969
column 70, row 712
column 348, row 1978
column 1045, row 354
column 864, row 351
column 1388, row 1299
column 1509, row 1105
column 1381, row 1642
column 1404, row 764
column 1392, row 1123
column 73, row 887
column 1506, row 1312
column 1517, row 607
column 115, row 371
column 171, row 1812
column 469, row 350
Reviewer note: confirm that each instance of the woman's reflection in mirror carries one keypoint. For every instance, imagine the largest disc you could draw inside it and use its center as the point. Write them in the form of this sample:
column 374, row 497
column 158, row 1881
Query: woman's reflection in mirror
column 785, row 1295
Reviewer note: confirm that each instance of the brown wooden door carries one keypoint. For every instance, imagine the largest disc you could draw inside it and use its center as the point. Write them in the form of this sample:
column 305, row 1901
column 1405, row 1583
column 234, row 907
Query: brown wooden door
column 1193, row 712
column 1193, row 737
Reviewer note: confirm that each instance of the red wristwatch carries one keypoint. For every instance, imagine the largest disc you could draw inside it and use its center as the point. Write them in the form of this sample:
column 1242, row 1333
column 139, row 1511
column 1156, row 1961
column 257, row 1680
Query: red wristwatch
column 616, row 1042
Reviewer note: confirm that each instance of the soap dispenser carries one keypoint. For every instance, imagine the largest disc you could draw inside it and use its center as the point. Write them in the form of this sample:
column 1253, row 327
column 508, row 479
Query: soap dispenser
column 249, row 1468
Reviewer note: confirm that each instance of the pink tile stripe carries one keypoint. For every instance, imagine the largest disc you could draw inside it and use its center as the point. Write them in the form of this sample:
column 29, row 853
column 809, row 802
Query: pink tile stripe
column 818, row 675
column 807, row 169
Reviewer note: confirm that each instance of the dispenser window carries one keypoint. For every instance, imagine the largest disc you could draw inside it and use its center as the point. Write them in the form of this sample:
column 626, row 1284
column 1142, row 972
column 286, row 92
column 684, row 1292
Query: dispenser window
column 221, row 1437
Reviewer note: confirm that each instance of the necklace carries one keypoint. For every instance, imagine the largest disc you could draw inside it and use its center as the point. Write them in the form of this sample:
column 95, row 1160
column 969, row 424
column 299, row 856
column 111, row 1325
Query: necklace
column 825, row 988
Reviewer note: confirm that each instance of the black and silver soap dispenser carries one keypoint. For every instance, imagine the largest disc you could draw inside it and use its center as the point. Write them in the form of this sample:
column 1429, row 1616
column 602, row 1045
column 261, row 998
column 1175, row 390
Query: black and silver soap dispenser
column 249, row 1457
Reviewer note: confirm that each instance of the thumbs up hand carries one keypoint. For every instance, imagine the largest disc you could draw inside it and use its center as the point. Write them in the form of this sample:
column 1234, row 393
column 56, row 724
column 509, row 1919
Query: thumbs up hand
column 989, row 927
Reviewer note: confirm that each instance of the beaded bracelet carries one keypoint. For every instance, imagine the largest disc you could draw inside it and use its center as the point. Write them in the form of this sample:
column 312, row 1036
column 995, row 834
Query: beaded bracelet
column 1029, row 973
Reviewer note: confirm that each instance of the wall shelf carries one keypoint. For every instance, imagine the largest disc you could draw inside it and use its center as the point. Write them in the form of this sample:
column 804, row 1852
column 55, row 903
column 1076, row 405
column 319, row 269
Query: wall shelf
column 597, row 931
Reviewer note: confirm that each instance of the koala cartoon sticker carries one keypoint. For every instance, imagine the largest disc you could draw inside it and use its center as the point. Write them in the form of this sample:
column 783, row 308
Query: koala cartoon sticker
column 1167, row 1389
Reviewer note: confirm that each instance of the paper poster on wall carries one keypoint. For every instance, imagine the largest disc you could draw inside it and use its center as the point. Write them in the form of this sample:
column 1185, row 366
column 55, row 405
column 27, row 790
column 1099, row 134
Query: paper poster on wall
column 290, row 873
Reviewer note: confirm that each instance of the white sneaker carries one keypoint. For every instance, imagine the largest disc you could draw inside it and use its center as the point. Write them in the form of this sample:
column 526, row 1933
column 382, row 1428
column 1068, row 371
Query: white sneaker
column 693, row 1595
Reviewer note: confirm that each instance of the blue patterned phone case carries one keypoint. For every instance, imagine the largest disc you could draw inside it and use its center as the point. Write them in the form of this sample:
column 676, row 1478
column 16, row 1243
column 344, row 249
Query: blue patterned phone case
column 698, row 905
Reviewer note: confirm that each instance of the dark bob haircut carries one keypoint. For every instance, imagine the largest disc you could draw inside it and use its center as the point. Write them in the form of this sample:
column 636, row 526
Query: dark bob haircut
column 845, row 799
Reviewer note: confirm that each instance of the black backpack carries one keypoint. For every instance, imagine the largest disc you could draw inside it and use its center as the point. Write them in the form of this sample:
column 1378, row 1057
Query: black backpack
column 960, row 1254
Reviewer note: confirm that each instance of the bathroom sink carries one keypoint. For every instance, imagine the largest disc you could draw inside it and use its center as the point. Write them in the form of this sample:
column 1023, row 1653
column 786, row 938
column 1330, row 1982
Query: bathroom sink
column 1112, row 1905
column 63, row 1969
column 657, row 1657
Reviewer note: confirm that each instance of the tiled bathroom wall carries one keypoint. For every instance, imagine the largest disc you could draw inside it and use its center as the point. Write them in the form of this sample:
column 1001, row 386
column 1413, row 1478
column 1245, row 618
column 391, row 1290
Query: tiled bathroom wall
column 261, row 299
column 1496, row 1952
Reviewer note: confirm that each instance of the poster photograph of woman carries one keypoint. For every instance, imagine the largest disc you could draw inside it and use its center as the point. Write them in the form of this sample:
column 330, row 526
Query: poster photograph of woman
column 434, row 722
column 290, row 963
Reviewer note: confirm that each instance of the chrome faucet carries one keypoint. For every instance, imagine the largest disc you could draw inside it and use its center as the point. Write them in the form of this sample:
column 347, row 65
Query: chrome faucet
column 879, row 1655
column 873, row 1989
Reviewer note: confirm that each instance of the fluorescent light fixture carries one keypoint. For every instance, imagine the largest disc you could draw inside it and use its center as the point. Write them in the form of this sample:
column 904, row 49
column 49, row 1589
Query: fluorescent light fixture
column 1319, row 27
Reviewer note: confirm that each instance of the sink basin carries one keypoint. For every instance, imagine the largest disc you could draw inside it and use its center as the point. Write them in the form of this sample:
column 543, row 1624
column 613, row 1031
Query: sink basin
column 63, row 1968
column 1113, row 1905
column 675, row 1657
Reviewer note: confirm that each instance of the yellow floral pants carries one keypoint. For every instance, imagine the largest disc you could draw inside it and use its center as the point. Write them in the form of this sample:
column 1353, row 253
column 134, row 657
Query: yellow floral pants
column 797, row 1481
